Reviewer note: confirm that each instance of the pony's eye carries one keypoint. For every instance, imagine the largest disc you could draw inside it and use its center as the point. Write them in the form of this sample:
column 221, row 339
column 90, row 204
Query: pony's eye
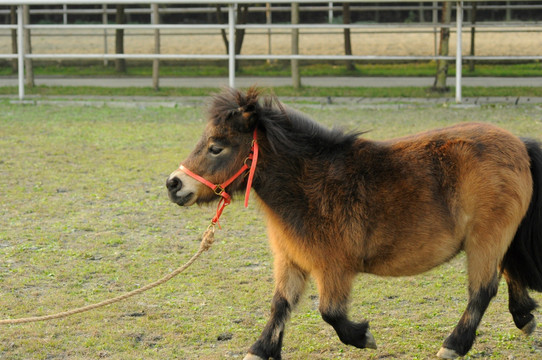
column 215, row 150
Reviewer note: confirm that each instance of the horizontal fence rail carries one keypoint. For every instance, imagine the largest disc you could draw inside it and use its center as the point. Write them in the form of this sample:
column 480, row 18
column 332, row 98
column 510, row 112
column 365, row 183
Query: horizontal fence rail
column 231, row 26
column 330, row 6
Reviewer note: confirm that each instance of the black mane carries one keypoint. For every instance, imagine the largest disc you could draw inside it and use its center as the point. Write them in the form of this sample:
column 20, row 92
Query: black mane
column 287, row 130
column 294, row 132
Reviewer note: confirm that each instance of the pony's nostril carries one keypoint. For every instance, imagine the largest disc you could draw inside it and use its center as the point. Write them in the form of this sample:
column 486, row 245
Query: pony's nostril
column 174, row 184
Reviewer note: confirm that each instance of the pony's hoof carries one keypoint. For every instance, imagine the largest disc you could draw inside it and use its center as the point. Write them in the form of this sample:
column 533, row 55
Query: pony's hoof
column 370, row 342
column 444, row 353
column 252, row 357
column 529, row 328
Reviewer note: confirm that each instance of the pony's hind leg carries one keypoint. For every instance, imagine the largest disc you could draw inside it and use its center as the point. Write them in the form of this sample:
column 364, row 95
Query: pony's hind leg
column 485, row 250
column 334, row 289
column 486, row 242
column 290, row 283
column 520, row 305
column 462, row 338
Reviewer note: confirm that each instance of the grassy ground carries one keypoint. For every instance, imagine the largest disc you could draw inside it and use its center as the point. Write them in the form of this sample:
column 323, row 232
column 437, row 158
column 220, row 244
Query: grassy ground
column 282, row 68
column 84, row 216
column 399, row 92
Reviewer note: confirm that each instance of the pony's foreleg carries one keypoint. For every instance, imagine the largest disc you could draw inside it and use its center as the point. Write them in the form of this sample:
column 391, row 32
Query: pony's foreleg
column 290, row 283
column 461, row 339
column 334, row 289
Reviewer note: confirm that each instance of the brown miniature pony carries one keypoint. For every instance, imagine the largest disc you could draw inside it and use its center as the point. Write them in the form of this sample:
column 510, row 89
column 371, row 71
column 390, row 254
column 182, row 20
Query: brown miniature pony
column 337, row 205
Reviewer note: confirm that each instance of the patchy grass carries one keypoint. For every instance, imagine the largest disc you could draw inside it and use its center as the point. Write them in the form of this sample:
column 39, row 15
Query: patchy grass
column 84, row 216
column 369, row 92
column 282, row 68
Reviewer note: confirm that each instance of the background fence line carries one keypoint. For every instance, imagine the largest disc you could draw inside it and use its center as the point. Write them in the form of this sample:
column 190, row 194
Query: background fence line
column 232, row 26
column 329, row 7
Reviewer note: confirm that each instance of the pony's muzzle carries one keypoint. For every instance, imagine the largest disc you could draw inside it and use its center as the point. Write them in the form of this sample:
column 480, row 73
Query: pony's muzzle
column 180, row 191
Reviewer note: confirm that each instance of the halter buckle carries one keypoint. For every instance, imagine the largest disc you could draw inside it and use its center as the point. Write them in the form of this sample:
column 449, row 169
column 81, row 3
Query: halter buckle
column 247, row 159
column 218, row 190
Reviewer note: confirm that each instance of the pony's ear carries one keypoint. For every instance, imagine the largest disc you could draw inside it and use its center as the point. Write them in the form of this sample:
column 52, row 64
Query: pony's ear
column 248, row 109
column 249, row 115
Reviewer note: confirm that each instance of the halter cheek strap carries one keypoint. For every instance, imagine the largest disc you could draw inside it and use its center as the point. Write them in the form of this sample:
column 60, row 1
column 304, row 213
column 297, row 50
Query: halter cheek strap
column 220, row 189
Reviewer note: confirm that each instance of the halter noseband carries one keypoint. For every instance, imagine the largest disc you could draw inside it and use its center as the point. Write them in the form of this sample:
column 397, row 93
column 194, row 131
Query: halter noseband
column 220, row 189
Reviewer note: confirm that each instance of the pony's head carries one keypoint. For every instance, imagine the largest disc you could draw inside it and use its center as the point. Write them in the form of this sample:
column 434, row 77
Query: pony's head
column 221, row 151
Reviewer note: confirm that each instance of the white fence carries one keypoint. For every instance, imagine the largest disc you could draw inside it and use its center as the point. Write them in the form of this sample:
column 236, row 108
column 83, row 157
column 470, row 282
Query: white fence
column 231, row 27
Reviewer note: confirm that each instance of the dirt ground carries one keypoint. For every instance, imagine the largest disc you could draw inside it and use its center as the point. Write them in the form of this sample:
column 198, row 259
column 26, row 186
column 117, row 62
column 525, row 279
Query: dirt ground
column 407, row 42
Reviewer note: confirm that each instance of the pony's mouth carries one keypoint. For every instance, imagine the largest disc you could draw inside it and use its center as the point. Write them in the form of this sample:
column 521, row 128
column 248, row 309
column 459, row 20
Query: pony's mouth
column 183, row 199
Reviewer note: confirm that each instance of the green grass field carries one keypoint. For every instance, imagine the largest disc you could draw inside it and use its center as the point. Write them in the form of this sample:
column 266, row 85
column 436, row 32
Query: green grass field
column 84, row 92
column 282, row 68
column 84, row 216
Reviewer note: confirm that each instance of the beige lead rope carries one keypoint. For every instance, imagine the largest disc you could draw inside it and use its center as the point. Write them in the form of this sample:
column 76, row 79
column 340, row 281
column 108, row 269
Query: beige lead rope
column 206, row 242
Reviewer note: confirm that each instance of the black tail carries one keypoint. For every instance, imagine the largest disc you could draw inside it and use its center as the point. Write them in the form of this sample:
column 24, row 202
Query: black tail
column 523, row 261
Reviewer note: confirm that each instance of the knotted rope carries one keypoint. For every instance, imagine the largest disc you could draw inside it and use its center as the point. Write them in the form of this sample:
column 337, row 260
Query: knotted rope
column 206, row 243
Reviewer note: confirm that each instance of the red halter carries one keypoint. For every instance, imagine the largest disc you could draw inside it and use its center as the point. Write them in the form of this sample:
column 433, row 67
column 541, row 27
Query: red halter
column 220, row 189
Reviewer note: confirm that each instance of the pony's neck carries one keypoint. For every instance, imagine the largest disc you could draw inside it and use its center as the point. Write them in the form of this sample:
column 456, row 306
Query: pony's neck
column 279, row 185
column 288, row 182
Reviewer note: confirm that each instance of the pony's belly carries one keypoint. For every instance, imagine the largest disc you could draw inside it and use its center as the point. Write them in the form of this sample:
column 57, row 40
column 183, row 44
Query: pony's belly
column 409, row 261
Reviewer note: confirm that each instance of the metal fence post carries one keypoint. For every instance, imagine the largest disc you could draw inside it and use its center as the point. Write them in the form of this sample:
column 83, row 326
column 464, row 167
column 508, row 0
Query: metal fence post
column 294, row 63
column 269, row 21
column 155, row 19
column 105, row 21
column 231, row 44
column 20, row 51
column 434, row 13
column 459, row 51
column 27, row 44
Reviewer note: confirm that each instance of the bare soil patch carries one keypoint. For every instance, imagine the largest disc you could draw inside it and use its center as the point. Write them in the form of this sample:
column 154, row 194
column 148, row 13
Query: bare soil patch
column 403, row 42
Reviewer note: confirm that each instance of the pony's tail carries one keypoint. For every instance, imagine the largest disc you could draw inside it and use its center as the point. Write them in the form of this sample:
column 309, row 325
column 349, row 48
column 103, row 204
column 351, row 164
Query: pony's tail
column 523, row 260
